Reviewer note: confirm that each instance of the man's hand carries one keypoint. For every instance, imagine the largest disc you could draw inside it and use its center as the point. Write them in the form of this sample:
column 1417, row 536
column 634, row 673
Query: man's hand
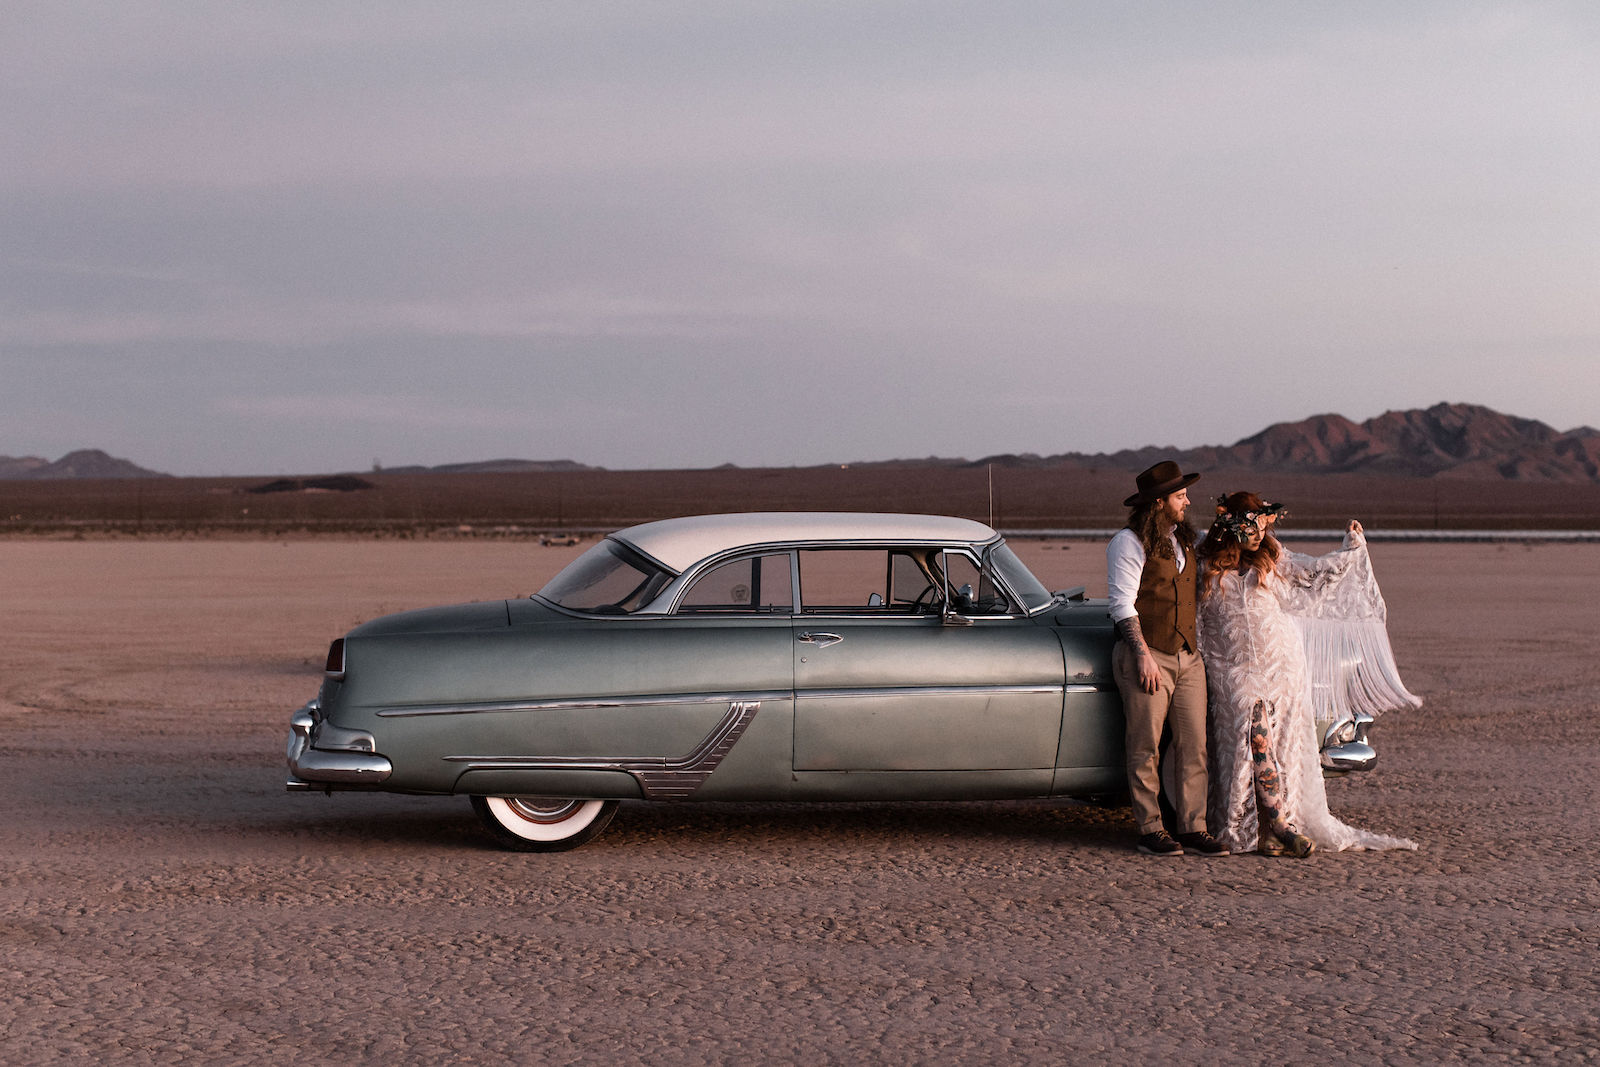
column 1149, row 674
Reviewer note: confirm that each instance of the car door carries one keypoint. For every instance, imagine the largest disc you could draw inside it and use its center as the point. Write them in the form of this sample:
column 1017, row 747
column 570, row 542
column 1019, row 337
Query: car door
column 883, row 682
column 697, row 703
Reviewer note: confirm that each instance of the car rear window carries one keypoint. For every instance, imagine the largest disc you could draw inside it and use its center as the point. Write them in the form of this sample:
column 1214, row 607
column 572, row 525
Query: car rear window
column 609, row 579
column 759, row 584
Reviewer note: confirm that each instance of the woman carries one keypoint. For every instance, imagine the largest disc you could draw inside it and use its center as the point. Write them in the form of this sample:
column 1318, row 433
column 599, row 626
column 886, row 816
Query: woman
column 1273, row 624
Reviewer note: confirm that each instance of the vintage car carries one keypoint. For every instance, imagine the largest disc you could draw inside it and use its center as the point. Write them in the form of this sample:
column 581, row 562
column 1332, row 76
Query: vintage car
column 781, row 656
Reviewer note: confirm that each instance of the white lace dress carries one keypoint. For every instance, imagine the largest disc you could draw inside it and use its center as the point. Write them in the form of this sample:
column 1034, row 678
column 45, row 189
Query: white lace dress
column 1311, row 635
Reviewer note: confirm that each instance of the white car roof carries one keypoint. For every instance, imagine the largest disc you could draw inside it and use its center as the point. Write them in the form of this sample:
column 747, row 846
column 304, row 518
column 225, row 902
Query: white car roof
column 681, row 543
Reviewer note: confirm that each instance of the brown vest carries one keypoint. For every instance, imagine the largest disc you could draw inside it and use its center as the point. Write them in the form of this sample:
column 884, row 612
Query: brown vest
column 1165, row 604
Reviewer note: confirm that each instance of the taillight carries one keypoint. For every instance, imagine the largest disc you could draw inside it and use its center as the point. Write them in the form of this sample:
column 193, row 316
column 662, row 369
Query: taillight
column 335, row 666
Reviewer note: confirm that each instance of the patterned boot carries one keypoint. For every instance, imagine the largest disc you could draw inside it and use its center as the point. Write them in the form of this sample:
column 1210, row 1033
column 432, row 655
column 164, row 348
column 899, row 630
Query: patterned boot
column 1267, row 843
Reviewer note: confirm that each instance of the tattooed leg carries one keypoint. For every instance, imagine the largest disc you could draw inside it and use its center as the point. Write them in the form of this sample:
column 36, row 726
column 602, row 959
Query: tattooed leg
column 1275, row 832
column 1265, row 771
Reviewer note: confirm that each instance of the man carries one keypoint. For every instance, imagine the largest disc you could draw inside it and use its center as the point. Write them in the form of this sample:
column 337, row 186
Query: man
column 1151, row 573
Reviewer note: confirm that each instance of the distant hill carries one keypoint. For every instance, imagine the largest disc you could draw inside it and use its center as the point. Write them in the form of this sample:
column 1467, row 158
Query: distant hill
column 1445, row 441
column 86, row 463
column 496, row 466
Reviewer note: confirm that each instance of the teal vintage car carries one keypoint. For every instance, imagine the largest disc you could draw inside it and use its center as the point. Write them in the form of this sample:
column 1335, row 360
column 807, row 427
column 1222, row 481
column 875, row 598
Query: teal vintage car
column 777, row 656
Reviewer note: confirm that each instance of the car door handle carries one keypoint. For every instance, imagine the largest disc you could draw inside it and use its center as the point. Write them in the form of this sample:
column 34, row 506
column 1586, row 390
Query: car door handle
column 821, row 640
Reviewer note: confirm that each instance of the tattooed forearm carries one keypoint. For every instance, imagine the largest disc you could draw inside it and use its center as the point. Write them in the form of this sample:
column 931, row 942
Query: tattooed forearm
column 1128, row 630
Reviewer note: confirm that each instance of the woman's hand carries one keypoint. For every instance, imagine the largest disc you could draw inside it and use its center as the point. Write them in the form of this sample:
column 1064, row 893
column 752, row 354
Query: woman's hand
column 1354, row 534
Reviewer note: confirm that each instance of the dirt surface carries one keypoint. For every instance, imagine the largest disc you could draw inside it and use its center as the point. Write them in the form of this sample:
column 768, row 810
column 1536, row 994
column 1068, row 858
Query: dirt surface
column 527, row 504
column 163, row 898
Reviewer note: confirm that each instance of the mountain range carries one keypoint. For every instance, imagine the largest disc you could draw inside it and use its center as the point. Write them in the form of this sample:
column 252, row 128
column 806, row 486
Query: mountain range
column 1465, row 441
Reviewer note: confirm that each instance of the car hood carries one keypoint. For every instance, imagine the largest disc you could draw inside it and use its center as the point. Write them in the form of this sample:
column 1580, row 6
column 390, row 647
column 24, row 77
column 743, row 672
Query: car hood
column 487, row 615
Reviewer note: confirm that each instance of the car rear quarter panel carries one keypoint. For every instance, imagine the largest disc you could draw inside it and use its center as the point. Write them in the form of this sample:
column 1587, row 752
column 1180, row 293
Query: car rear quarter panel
column 432, row 699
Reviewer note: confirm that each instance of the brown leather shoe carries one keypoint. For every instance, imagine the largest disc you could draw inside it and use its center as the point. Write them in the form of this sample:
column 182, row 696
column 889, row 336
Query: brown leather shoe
column 1201, row 843
column 1159, row 843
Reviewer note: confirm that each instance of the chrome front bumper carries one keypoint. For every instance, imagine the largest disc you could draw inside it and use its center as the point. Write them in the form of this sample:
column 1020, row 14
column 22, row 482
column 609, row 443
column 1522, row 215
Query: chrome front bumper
column 1345, row 746
column 1353, row 756
column 324, row 757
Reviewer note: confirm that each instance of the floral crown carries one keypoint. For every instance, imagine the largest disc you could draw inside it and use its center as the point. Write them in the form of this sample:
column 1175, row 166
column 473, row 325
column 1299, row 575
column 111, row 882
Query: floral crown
column 1238, row 524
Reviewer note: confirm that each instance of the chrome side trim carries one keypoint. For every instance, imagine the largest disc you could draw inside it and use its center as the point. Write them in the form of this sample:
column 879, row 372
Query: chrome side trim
column 659, row 778
column 596, row 703
column 937, row 690
column 579, row 703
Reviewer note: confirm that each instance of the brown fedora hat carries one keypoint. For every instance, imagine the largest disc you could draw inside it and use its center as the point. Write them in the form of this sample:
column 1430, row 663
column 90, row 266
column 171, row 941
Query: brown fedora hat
column 1165, row 477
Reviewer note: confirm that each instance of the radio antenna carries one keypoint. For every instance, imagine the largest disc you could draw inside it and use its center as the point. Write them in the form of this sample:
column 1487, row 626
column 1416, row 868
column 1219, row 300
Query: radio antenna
column 991, row 495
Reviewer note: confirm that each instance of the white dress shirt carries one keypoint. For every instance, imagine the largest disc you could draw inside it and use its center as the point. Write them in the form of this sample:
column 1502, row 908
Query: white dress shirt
column 1125, row 566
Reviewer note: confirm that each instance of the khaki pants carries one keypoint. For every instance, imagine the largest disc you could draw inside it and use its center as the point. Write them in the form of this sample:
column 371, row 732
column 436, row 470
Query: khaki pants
column 1180, row 700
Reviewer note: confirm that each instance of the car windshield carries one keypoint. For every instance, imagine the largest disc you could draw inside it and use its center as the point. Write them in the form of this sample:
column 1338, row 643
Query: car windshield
column 1016, row 574
column 609, row 579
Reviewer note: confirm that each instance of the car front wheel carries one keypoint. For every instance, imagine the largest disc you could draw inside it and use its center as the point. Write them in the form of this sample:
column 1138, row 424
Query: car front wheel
column 543, row 824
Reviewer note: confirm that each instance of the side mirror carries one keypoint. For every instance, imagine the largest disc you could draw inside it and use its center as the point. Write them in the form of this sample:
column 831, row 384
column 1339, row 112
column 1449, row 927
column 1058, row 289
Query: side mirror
column 955, row 609
column 951, row 616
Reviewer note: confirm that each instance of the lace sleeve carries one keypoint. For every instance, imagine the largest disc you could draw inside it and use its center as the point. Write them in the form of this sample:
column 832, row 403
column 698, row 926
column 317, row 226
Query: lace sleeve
column 1337, row 585
column 1335, row 602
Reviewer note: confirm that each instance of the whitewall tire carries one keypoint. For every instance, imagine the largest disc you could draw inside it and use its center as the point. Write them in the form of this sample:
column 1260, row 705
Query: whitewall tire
column 543, row 824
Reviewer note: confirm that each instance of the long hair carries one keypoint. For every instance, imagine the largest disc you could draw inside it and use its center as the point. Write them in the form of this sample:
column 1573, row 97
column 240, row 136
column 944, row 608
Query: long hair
column 1222, row 550
column 1154, row 528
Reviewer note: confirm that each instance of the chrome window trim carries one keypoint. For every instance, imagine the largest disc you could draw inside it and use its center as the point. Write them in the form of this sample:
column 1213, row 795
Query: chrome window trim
column 685, row 541
column 590, row 615
column 793, row 548
column 666, row 602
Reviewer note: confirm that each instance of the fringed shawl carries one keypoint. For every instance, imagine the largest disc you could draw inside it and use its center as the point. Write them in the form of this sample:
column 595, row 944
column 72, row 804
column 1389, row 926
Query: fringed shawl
column 1335, row 603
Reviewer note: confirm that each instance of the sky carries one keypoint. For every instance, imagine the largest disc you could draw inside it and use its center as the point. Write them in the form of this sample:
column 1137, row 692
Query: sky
column 301, row 237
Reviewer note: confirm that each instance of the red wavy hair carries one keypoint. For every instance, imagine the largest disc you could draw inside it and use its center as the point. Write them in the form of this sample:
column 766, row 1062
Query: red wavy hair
column 1220, row 551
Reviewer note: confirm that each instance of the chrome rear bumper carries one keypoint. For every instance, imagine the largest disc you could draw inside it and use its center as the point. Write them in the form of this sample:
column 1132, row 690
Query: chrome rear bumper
column 324, row 757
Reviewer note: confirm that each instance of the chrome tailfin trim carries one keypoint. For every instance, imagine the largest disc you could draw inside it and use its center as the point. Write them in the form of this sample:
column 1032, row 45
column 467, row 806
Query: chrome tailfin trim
column 659, row 778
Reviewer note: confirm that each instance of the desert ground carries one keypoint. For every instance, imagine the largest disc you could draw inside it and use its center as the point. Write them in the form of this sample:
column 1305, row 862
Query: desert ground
column 163, row 899
column 524, row 504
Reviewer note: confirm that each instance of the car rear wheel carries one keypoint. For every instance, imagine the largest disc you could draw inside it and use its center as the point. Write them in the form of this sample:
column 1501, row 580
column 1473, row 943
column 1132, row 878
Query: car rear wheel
column 543, row 824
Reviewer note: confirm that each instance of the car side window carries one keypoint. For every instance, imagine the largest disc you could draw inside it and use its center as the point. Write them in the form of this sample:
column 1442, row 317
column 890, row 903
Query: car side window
column 756, row 584
column 913, row 585
column 873, row 581
column 974, row 591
